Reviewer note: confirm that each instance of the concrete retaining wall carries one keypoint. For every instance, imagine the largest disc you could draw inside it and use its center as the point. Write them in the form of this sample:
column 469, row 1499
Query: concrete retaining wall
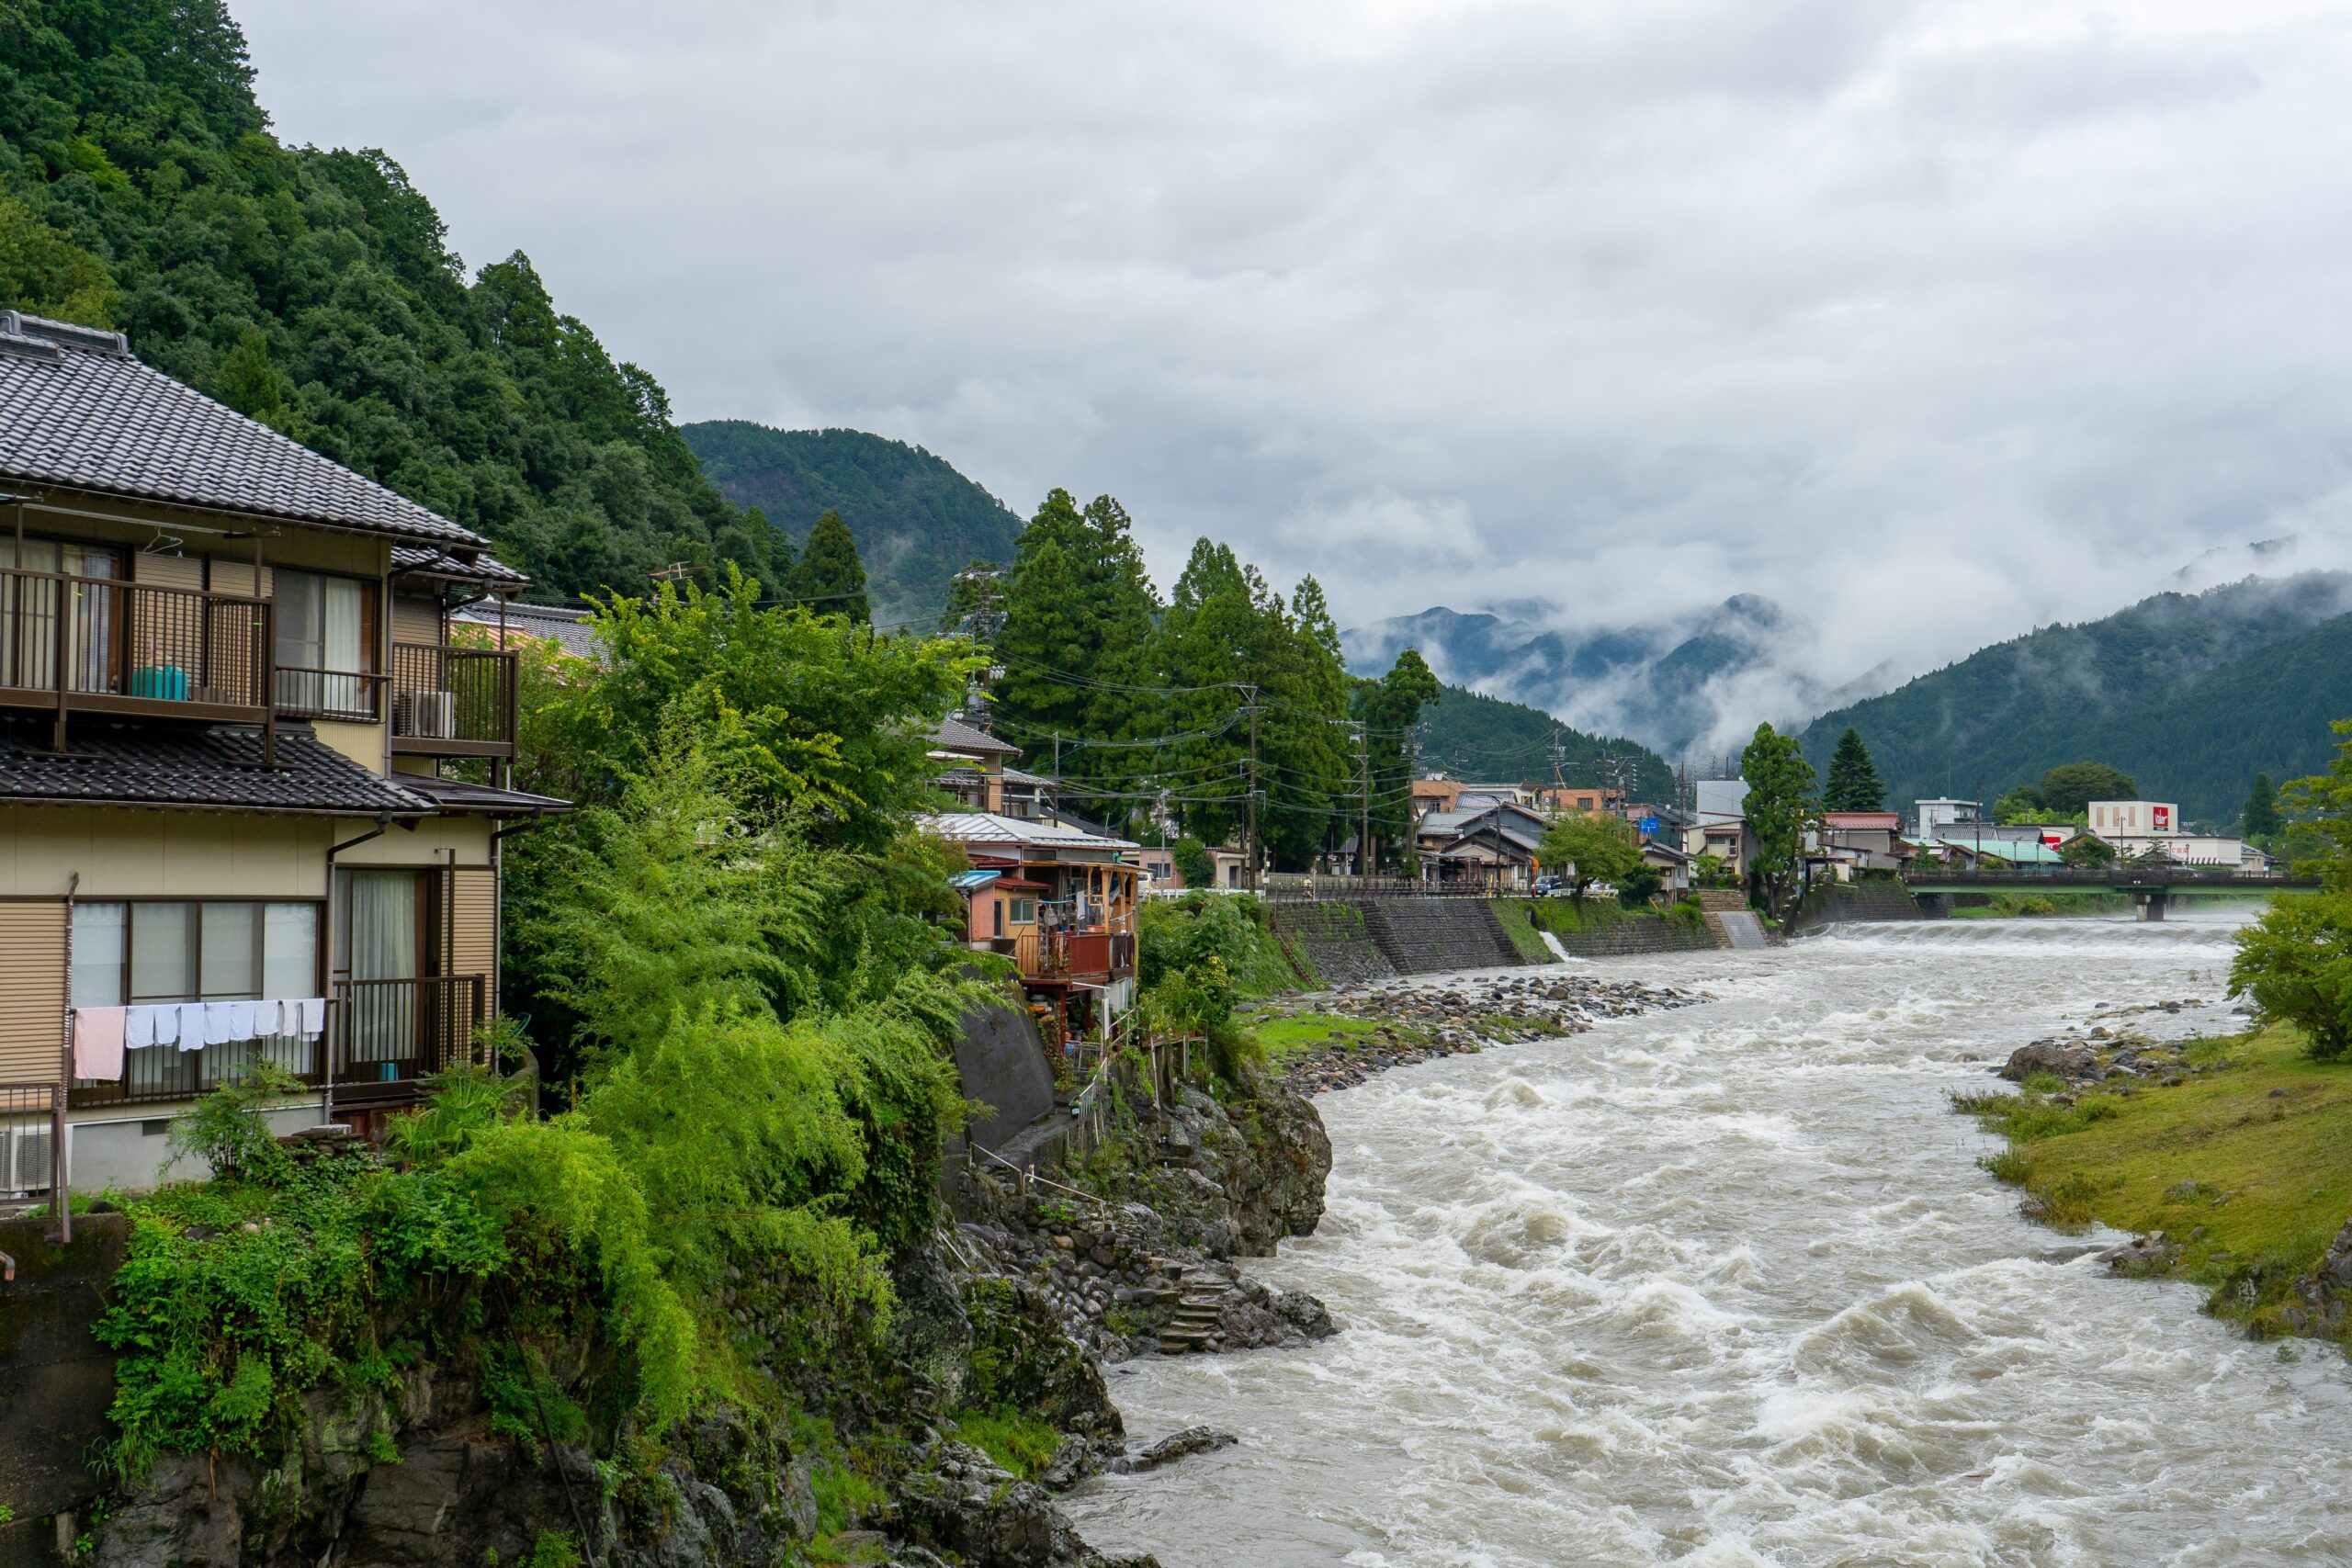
column 1331, row 934
column 59, row 1381
column 1642, row 934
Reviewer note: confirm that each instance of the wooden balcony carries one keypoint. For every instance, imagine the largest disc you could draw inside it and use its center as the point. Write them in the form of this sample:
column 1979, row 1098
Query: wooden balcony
column 1095, row 956
column 94, row 645
column 453, row 702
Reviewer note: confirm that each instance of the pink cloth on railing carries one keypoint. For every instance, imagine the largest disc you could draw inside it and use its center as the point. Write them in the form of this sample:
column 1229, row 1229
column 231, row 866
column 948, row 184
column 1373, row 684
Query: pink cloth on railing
column 97, row 1043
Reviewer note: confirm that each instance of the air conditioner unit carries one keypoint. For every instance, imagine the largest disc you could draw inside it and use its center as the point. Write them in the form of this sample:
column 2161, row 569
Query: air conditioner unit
column 427, row 716
column 24, row 1158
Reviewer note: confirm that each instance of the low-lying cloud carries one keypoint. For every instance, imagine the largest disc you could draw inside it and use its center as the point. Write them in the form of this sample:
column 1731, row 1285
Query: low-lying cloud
column 1929, row 323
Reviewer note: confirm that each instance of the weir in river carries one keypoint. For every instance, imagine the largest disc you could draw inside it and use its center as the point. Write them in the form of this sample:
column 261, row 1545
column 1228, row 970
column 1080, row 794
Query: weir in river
column 1725, row 1286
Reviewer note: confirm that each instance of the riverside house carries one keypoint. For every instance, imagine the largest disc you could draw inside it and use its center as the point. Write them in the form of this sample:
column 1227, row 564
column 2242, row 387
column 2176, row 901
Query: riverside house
column 1059, row 901
column 251, row 786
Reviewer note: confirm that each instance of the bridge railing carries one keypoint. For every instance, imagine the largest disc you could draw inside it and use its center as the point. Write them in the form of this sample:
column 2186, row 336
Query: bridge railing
column 2123, row 878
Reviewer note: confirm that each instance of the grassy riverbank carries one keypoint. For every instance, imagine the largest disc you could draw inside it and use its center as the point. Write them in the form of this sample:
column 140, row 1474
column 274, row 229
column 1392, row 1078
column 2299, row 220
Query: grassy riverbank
column 2244, row 1167
column 2015, row 905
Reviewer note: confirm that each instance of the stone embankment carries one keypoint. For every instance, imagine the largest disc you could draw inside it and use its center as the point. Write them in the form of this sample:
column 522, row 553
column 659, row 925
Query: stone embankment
column 1421, row 1022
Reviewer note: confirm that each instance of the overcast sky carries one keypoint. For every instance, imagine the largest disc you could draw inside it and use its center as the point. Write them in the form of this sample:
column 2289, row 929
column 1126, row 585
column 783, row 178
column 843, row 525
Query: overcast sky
column 1933, row 322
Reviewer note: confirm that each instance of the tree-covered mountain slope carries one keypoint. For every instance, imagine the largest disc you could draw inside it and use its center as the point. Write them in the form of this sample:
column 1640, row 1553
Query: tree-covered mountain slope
column 916, row 520
column 2191, row 694
column 140, row 188
column 1466, row 735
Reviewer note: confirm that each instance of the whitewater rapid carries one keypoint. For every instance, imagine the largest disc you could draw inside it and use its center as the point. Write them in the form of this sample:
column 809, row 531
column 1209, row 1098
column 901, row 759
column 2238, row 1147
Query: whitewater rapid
column 1725, row 1286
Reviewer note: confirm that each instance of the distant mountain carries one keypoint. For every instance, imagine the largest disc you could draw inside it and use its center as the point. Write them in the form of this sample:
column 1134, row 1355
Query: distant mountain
column 1671, row 684
column 916, row 520
column 2192, row 695
column 1488, row 741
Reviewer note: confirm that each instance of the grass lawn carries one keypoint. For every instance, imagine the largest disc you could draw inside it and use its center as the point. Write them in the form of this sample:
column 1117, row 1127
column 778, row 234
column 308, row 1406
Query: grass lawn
column 1287, row 1036
column 2248, row 1168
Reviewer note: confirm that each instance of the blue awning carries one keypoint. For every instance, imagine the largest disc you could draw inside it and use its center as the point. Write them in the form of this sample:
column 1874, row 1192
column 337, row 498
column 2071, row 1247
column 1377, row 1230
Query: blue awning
column 972, row 881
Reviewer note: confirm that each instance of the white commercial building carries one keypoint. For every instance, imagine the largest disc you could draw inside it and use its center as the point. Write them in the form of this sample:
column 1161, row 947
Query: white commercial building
column 2134, row 818
column 1937, row 818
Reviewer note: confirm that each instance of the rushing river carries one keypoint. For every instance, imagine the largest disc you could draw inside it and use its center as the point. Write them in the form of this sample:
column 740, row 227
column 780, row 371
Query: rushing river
column 1726, row 1286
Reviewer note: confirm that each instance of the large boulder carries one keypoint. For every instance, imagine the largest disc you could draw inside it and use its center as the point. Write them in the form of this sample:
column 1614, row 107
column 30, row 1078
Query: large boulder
column 962, row 1503
column 2075, row 1064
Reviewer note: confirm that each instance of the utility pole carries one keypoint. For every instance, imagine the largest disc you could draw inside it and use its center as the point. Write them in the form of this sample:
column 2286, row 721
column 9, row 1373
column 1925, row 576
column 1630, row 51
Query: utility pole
column 1250, row 843
column 1364, row 834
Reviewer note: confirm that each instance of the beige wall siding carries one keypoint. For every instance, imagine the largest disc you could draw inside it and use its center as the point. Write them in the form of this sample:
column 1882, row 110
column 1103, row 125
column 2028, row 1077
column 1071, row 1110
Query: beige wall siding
column 366, row 744
column 168, row 572
column 415, row 620
column 32, row 991
column 434, row 841
column 230, row 575
column 473, row 926
column 191, row 854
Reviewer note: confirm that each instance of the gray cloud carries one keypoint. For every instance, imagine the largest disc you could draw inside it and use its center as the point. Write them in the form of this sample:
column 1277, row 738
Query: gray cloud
column 1932, row 322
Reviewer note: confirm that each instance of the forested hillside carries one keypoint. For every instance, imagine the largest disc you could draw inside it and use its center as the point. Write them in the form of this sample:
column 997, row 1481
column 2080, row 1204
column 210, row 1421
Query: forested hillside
column 2191, row 694
column 140, row 188
column 916, row 520
column 1468, row 736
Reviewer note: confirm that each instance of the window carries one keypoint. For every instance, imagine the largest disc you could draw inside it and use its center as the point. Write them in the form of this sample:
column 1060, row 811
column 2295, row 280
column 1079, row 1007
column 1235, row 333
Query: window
column 29, row 614
column 217, row 950
column 1024, row 911
column 326, row 643
column 213, row 949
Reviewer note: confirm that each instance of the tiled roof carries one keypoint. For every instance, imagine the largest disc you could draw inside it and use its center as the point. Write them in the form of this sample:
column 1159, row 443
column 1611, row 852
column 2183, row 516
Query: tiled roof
column 159, row 764
column 955, row 735
column 76, row 410
column 478, row 799
column 467, row 566
column 565, row 626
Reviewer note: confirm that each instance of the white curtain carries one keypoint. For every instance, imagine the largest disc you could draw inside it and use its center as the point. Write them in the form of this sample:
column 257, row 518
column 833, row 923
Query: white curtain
column 28, row 616
column 340, row 640
column 383, row 947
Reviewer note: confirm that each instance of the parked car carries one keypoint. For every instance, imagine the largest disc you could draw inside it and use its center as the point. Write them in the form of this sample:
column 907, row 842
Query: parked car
column 1547, row 885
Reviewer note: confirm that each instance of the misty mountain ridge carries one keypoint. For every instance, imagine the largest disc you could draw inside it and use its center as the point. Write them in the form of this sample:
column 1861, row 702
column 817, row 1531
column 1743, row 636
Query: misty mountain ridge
column 1676, row 684
column 2192, row 694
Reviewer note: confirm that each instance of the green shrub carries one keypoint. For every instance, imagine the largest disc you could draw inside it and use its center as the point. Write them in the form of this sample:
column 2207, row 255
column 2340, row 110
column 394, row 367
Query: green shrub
column 228, row 1129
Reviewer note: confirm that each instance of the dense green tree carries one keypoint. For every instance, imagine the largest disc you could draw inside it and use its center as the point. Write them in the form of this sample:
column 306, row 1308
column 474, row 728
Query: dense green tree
column 1193, row 863
column 1780, row 808
column 2261, row 819
column 2295, row 966
column 1589, row 847
column 1079, row 611
column 140, row 188
column 2086, row 852
column 829, row 578
column 1854, row 784
column 2023, row 803
column 2069, row 788
column 1389, row 711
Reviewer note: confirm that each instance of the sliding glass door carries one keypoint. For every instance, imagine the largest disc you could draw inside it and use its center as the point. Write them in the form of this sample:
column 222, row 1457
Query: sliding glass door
column 325, row 643
column 384, row 940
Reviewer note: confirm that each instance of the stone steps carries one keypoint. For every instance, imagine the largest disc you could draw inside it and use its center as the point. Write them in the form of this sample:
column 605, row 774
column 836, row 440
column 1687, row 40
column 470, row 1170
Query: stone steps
column 1424, row 935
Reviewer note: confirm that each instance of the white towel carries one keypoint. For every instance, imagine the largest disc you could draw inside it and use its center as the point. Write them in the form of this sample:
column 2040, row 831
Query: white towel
column 138, row 1027
column 313, row 1010
column 220, row 1023
column 241, row 1020
column 191, row 1036
column 265, row 1019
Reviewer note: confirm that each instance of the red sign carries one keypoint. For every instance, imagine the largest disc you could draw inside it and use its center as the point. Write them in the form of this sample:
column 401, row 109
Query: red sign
column 2163, row 814
column 2051, row 840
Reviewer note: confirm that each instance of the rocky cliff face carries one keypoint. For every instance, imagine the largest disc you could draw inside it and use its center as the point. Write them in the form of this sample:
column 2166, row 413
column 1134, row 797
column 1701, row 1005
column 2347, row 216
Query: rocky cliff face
column 1017, row 1312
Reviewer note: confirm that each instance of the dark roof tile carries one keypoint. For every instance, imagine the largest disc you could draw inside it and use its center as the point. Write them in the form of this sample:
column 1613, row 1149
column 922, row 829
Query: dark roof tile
column 193, row 765
column 76, row 410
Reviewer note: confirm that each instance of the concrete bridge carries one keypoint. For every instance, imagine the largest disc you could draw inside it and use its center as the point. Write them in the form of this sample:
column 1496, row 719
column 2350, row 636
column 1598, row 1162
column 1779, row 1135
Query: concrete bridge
column 2151, row 888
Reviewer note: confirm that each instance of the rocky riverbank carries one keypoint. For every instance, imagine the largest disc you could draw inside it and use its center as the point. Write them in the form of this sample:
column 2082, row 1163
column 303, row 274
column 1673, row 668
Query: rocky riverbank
column 1422, row 1020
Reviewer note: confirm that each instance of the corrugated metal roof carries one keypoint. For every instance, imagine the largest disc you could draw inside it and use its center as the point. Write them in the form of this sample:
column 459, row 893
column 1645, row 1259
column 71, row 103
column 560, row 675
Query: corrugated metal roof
column 78, row 411
column 987, row 827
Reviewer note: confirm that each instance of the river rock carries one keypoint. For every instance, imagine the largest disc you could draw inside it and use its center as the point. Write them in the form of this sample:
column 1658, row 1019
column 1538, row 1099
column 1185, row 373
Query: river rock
column 1177, row 1445
column 962, row 1503
column 2075, row 1064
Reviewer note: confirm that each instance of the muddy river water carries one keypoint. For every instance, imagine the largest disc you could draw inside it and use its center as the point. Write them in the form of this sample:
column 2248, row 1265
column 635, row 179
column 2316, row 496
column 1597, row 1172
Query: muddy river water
column 1726, row 1286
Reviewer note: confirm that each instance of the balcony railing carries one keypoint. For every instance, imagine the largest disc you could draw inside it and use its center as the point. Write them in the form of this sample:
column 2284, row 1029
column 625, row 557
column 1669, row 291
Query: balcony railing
column 353, row 696
column 158, row 1074
column 94, row 644
column 381, row 1036
column 386, row 1035
column 1075, row 955
column 453, row 702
